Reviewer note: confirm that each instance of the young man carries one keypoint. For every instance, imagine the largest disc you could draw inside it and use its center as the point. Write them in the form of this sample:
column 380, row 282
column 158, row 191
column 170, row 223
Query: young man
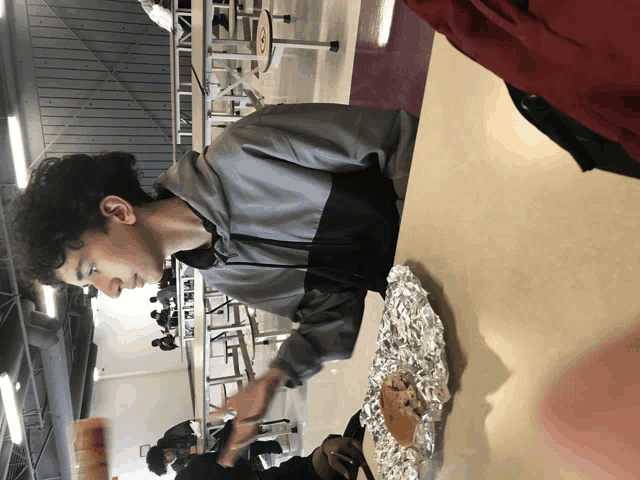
column 163, row 320
column 174, row 448
column 293, row 210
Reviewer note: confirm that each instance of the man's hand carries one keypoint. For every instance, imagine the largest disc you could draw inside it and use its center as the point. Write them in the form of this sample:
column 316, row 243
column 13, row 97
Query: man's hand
column 343, row 452
column 251, row 404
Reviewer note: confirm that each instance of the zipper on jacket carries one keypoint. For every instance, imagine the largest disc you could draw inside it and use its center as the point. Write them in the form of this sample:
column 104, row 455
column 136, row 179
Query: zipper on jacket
column 287, row 243
column 342, row 275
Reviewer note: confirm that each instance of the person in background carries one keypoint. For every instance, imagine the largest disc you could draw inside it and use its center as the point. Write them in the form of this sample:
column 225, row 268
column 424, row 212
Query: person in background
column 160, row 12
column 163, row 320
column 158, row 459
column 168, row 278
column 164, row 296
column 178, row 446
column 166, row 343
column 324, row 463
column 174, row 448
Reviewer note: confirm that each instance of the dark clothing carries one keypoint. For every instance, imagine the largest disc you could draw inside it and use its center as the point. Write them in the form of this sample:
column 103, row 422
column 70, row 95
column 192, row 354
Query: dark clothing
column 255, row 449
column 171, row 346
column 180, row 438
column 168, row 277
column 165, row 323
column 182, row 462
column 296, row 468
column 588, row 149
column 204, row 467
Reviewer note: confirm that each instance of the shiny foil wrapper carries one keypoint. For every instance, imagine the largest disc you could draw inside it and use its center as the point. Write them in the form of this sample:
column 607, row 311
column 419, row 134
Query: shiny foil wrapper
column 410, row 340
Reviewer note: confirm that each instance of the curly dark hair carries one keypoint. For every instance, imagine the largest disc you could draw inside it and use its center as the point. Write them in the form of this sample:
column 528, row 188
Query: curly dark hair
column 155, row 460
column 61, row 202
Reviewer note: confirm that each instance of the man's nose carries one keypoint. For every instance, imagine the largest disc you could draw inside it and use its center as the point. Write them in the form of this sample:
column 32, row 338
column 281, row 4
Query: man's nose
column 109, row 286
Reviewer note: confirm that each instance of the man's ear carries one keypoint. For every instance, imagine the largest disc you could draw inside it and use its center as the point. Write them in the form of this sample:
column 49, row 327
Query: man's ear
column 118, row 209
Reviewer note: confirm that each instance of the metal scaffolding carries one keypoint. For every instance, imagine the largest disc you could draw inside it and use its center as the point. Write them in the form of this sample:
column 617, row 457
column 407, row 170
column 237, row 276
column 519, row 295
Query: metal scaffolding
column 23, row 450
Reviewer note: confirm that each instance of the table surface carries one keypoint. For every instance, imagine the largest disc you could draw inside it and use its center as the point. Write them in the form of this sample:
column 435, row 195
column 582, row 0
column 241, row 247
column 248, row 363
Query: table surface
column 533, row 266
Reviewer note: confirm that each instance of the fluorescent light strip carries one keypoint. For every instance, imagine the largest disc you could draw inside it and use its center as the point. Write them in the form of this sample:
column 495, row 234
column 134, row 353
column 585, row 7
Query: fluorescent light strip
column 386, row 17
column 17, row 148
column 2, row 7
column 10, row 409
column 49, row 301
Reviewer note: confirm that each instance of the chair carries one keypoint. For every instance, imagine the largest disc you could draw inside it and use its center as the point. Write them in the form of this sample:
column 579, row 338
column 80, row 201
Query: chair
column 264, row 337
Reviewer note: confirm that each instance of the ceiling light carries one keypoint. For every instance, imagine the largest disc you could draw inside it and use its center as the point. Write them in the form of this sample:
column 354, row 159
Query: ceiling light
column 49, row 301
column 1, row 8
column 17, row 386
column 96, row 374
column 386, row 18
column 10, row 409
column 17, row 148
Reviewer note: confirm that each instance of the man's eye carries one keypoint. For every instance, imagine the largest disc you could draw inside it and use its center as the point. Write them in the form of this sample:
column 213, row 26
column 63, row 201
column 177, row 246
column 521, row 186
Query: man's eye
column 93, row 270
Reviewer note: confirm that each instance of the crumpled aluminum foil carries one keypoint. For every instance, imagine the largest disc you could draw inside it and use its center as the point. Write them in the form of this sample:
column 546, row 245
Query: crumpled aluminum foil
column 411, row 340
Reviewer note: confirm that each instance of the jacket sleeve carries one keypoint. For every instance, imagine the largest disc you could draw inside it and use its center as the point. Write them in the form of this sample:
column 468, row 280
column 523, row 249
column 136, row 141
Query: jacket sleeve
column 329, row 330
column 333, row 138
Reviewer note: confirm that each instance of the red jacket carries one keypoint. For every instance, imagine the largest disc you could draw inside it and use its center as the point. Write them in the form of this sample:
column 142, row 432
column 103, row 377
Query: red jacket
column 583, row 57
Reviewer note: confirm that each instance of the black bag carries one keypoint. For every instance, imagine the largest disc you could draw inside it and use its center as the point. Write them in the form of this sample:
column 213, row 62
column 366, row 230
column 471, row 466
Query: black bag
column 588, row 148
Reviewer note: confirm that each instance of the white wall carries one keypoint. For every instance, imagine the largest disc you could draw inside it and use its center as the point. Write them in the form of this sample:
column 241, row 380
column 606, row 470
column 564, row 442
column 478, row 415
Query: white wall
column 141, row 409
column 142, row 390
column 124, row 334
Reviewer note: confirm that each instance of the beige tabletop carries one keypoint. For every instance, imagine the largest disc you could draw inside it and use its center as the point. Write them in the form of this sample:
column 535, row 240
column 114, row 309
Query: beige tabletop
column 533, row 264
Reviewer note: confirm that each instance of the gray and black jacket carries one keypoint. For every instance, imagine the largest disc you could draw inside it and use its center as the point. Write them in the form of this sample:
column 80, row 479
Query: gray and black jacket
column 304, row 204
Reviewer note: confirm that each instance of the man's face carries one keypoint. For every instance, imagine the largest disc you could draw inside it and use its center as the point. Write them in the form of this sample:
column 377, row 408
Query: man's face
column 126, row 257
column 169, row 456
